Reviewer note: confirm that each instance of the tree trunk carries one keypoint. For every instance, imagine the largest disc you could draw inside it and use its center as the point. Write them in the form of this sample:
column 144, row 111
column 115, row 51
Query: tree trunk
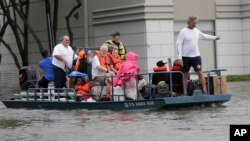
column 25, row 35
column 32, row 32
column 55, row 18
column 12, row 53
column 79, row 4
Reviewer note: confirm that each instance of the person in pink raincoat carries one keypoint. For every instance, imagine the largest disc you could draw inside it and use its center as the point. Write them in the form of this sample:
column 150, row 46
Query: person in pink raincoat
column 125, row 77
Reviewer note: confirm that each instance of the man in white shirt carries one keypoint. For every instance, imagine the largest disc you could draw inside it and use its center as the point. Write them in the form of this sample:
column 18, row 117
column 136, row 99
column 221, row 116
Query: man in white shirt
column 188, row 52
column 62, row 61
column 101, row 67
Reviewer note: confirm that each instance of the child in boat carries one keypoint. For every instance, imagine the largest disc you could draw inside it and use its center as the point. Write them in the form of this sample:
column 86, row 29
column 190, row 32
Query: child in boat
column 83, row 88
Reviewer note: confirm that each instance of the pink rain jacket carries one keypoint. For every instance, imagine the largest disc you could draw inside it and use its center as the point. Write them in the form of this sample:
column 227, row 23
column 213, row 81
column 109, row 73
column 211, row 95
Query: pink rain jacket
column 130, row 66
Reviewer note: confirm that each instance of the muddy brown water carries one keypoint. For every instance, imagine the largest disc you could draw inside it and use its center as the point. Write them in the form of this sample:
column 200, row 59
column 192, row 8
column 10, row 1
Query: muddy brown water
column 183, row 124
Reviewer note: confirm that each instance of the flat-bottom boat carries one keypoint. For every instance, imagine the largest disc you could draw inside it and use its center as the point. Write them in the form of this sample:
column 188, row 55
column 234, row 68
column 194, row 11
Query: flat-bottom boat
column 46, row 99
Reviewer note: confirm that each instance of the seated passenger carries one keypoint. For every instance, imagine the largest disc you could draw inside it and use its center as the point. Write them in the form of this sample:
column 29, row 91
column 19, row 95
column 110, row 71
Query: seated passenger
column 46, row 65
column 101, row 68
column 101, row 65
column 177, row 79
column 81, row 62
column 125, row 76
column 176, row 66
column 158, row 77
column 83, row 88
column 116, row 60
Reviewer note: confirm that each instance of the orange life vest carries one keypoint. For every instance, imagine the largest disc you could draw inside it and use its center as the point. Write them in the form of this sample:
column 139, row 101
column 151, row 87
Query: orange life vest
column 104, row 61
column 176, row 68
column 84, row 90
column 81, row 56
column 159, row 69
column 116, row 60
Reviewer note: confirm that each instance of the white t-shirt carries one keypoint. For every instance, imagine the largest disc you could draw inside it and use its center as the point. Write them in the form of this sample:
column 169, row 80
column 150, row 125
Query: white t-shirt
column 95, row 71
column 187, row 42
column 65, row 52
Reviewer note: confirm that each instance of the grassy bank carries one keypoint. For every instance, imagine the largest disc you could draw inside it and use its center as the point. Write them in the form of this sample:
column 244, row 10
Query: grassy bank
column 232, row 78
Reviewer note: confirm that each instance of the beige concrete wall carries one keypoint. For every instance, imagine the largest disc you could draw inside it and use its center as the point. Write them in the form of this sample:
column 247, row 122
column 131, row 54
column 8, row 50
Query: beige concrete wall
column 203, row 9
column 37, row 20
column 233, row 25
column 147, row 27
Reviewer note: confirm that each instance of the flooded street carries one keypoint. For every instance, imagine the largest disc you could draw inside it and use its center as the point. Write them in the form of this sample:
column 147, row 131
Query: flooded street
column 185, row 124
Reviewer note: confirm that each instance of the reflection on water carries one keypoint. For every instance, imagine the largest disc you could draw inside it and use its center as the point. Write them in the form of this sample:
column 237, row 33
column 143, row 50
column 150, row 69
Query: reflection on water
column 191, row 124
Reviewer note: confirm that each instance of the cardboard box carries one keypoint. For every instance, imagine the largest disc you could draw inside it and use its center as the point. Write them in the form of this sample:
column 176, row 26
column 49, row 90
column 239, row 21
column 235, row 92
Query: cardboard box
column 216, row 83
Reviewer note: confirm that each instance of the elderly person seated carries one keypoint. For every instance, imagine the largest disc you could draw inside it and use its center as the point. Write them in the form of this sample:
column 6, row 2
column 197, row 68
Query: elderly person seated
column 101, row 68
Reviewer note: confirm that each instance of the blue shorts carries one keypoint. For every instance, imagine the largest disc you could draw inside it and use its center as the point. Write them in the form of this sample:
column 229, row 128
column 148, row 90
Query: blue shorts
column 194, row 62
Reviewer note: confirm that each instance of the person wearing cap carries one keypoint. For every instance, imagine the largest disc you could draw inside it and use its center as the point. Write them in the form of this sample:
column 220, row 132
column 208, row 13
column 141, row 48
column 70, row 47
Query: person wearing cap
column 188, row 52
column 116, row 42
column 160, row 67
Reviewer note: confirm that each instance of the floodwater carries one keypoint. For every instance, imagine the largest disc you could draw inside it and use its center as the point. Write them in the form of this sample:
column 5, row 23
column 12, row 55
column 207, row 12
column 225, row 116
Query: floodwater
column 185, row 124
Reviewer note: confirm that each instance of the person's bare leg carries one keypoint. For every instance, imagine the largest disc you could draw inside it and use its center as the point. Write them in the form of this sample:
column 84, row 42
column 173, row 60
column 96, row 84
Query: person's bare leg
column 202, row 81
column 186, row 74
column 108, row 89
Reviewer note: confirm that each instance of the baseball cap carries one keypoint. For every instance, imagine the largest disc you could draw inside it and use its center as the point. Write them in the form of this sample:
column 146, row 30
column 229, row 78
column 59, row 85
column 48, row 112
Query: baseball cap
column 116, row 34
column 161, row 63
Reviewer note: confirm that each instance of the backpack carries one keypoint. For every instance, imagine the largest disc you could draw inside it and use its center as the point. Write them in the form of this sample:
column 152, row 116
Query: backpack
column 162, row 90
column 147, row 89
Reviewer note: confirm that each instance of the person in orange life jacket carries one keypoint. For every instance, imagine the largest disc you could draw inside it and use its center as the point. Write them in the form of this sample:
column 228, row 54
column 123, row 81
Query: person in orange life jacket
column 101, row 65
column 115, row 41
column 101, row 68
column 160, row 67
column 176, row 66
column 83, row 88
column 81, row 63
column 177, row 79
column 116, row 61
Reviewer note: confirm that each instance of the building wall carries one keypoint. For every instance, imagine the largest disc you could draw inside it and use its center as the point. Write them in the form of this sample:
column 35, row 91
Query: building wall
column 159, row 33
column 246, row 45
column 37, row 20
column 229, row 48
column 232, row 24
column 203, row 9
column 124, row 16
column 147, row 28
